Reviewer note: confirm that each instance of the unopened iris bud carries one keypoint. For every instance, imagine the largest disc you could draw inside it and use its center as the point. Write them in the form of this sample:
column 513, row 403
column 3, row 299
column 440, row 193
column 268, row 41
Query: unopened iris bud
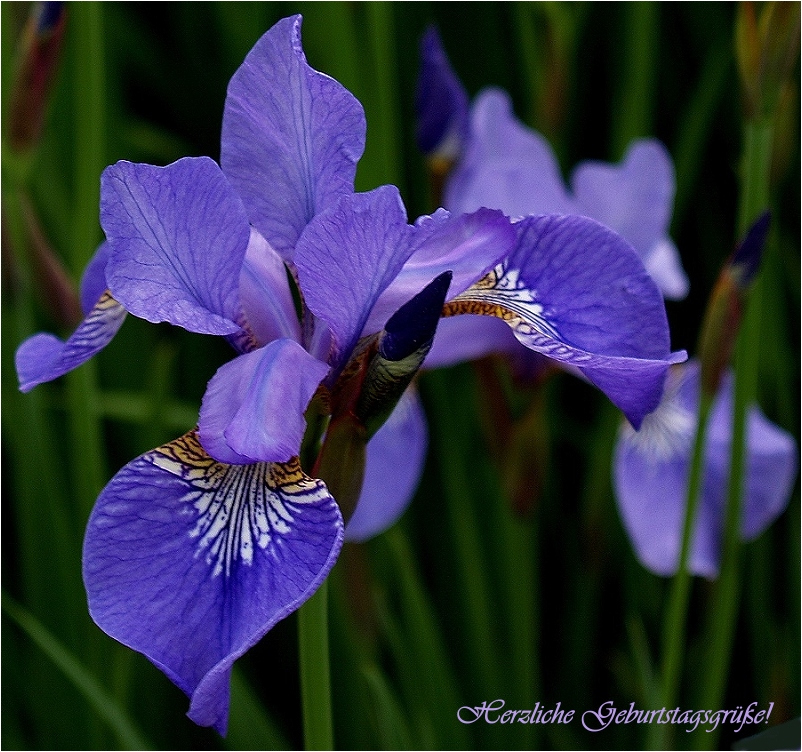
column 37, row 66
column 726, row 304
column 745, row 261
column 370, row 387
column 411, row 328
column 403, row 346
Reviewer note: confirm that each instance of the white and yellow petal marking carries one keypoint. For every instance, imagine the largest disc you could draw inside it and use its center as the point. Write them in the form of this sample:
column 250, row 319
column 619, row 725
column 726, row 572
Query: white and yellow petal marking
column 238, row 508
column 501, row 293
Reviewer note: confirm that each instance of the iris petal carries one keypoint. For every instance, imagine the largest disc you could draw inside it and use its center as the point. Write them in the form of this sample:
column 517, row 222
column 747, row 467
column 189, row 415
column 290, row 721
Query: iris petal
column 45, row 357
column 467, row 337
column 650, row 473
column 772, row 457
column 266, row 296
column 665, row 268
column 291, row 137
column 93, row 280
column 191, row 561
column 346, row 258
column 577, row 293
column 635, row 199
column 253, row 409
column 178, row 237
column 393, row 467
column 467, row 245
column 506, row 165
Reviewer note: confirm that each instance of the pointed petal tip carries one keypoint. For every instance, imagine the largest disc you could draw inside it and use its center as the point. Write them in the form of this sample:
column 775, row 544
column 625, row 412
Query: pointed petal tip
column 292, row 127
column 746, row 259
column 415, row 322
column 441, row 102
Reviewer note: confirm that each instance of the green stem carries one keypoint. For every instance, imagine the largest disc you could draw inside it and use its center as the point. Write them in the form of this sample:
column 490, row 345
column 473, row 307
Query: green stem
column 386, row 132
column 676, row 617
column 87, row 458
column 722, row 617
column 313, row 640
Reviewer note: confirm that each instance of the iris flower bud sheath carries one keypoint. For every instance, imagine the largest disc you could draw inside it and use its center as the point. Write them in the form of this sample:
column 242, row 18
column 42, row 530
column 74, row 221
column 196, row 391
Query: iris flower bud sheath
column 726, row 305
column 373, row 383
column 767, row 46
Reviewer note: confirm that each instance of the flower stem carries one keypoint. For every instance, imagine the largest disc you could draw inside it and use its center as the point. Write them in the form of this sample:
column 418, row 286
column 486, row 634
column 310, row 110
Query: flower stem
column 722, row 617
column 313, row 640
column 675, row 623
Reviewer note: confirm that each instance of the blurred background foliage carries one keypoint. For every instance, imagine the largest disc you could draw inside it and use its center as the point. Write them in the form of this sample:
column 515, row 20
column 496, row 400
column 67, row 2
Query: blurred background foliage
column 465, row 600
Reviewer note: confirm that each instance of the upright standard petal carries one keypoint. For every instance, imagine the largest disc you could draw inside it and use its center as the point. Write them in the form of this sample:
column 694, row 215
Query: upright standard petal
column 191, row 561
column 266, row 295
column 635, row 199
column 393, row 468
column 506, row 165
column 178, row 237
column 441, row 102
column 253, row 409
column 291, row 137
column 346, row 258
column 576, row 292
column 45, row 357
column 650, row 476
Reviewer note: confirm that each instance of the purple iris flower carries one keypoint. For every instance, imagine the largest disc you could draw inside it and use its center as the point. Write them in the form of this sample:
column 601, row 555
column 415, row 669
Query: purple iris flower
column 195, row 549
column 651, row 467
column 505, row 165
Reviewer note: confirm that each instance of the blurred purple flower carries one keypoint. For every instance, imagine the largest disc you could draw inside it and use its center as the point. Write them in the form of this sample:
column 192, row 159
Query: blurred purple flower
column 505, row 165
column 501, row 163
column 651, row 466
column 197, row 548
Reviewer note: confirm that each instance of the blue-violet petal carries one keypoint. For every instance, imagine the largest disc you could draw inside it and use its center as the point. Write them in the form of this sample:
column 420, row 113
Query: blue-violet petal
column 650, row 474
column 178, row 237
column 346, row 258
column 394, row 464
column 291, row 137
column 253, row 409
column 45, row 357
column 191, row 561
